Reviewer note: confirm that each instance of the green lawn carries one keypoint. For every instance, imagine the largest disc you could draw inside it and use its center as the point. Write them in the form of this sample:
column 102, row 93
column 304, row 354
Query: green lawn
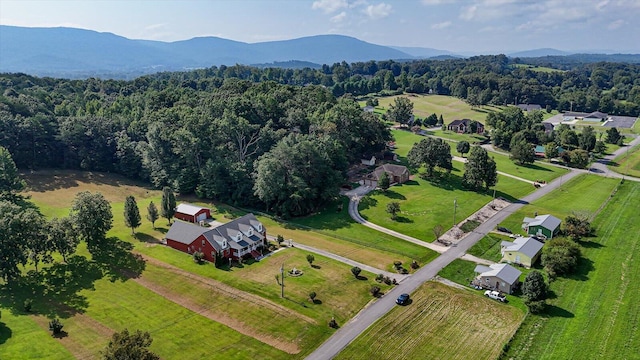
column 628, row 163
column 538, row 68
column 594, row 313
column 489, row 247
column 451, row 108
column 459, row 271
column 425, row 204
column 584, row 193
column 441, row 322
column 19, row 334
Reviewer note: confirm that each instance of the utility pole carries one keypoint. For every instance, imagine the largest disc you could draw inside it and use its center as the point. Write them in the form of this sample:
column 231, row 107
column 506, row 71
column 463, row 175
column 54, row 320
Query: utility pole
column 455, row 206
column 282, row 280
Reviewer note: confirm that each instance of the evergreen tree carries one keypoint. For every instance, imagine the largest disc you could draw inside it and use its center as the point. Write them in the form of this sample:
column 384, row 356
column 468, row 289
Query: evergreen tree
column 131, row 213
column 168, row 203
column 480, row 169
column 152, row 214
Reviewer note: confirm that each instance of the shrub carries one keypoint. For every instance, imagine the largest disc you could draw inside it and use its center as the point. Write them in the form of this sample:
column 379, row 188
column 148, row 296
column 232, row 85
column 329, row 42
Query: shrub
column 387, row 280
column 333, row 323
column 198, row 257
column 469, row 225
column 397, row 264
column 414, row 265
column 55, row 326
column 375, row 291
column 312, row 296
column 536, row 307
column 310, row 258
column 356, row 271
column 279, row 239
column 27, row 305
column 380, row 278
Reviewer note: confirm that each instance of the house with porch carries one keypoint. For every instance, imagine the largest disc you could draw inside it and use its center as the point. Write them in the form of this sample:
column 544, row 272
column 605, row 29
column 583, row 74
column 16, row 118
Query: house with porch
column 398, row 174
column 542, row 226
column 241, row 238
column 466, row 126
column 192, row 213
column 499, row 277
column 523, row 251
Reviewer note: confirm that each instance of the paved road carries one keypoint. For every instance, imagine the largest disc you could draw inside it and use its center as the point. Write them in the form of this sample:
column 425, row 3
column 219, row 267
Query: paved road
column 349, row 331
column 600, row 167
column 365, row 267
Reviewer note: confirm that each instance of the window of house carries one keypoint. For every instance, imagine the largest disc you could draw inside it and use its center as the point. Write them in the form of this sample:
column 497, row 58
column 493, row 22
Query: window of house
column 250, row 232
column 260, row 227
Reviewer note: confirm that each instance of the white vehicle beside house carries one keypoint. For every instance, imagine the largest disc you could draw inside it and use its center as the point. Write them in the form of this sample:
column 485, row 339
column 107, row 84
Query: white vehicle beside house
column 495, row 295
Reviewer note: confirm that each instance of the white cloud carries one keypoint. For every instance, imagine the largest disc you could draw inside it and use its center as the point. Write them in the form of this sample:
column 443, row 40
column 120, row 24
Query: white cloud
column 437, row 2
column 441, row 25
column 339, row 18
column 329, row 6
column 378, row 11
column 155, row 26
column 616, row 24
column 602, row 4
column 469, row 12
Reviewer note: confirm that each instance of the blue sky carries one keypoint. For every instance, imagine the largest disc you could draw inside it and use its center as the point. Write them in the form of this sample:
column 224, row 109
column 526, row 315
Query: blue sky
column 464, row 26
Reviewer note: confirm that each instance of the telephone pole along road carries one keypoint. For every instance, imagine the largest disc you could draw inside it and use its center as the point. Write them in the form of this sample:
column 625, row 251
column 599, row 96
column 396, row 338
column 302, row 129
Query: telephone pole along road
column 358, row 324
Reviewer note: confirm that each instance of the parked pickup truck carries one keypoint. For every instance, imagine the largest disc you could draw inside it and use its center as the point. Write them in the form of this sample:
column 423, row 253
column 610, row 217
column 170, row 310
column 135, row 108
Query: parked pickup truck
column 496, row 295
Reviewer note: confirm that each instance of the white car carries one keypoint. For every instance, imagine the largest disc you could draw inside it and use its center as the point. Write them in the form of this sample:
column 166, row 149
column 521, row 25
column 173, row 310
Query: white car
column 496, row 295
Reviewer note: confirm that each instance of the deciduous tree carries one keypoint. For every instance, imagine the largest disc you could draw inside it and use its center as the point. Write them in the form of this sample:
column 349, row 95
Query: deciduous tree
column 431, row 153
column 393, row 208
column 480, row 169
column 534, row 287
column 18, row 227
column 125, row 345
column 63, row 236
column 401, row 110
column 463, row 147
column 92, row 218
column 10, row 182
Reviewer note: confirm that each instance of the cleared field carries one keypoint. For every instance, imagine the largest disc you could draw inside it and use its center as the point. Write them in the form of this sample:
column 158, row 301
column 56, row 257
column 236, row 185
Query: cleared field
column 594, row 314
column 628, row 163
column 584, row 193
column 451, row 108
column 489, row 247
column 440, row 323
column 538, row 68
column 425, row 204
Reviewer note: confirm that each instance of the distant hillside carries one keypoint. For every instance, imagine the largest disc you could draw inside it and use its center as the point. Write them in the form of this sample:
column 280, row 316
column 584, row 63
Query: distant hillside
column 539, row 53
column 70, row 52
column 425, row 53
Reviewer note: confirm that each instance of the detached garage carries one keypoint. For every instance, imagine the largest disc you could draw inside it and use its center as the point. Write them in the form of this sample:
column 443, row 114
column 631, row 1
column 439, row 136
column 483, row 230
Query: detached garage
column 192, row 213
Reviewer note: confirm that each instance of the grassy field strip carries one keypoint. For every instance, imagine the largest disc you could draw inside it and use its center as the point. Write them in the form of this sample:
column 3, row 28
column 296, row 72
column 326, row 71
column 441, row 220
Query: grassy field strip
column 441, row 322
column 628, row 163
column 22, row 337
column 593, row 314
column 228, row 309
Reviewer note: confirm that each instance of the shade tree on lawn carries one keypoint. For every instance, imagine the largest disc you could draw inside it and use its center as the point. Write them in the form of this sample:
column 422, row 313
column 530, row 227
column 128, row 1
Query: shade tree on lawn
column 560, row 256
column 463, row 147
column 63, row 236
column 92, row 218
column 129, row 345
column 152, row 214
column 480, row 169
column 431, row 153
column 400, row 111
column 393, row 208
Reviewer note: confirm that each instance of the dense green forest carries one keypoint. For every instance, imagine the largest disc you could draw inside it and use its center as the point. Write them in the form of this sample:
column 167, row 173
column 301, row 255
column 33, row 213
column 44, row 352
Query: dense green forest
column 276, row 138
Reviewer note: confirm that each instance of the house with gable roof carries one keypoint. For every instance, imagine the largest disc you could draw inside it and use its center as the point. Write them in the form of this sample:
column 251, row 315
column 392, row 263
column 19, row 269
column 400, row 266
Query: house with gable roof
column 241, row 238
column 542, row 226
column 398, row 174
column 500, row 277
column 523, row 251
column 465, row 126
column 192, row 213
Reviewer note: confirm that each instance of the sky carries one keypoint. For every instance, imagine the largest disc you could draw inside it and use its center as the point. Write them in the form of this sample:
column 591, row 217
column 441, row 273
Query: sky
column 462, row 26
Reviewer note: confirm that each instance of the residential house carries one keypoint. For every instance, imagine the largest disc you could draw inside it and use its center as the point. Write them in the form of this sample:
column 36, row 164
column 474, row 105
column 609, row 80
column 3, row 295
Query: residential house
column 240, row 238
column 466, row 126
column 500, row 277
column 192, row 213
column 548, row 127
column 522, row 251
column 397, row 174
column 542, row 226
column 368, row 160
column 368, row 108
column 529, row 107
column 539, row 150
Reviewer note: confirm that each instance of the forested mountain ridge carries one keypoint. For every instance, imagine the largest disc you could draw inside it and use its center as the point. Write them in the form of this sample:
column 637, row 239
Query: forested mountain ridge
column 273, row 138
column 77, row 53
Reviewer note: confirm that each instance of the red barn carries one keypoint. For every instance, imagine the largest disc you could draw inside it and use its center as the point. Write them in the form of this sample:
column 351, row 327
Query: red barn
column 192, row 213
column 240, row 238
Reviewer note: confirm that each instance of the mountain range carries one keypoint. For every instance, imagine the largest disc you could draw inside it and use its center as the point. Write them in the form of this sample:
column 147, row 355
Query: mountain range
column 80, row 53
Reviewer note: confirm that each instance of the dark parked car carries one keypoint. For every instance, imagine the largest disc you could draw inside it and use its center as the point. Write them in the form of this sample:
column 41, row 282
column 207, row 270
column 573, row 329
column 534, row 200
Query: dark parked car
column 402, row 299
column 504, row 230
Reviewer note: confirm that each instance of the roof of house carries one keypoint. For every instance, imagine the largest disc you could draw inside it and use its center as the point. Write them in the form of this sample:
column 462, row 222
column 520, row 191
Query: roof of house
column 504, row 272
column 395, row 170
column 546, row 221
column 459, row 122
column 597, row 115
column 539, row 149
column 525, row 245
column 189, row 209
column 547, row 126
column 529, row 107
column 186, row 233
column 368, row 108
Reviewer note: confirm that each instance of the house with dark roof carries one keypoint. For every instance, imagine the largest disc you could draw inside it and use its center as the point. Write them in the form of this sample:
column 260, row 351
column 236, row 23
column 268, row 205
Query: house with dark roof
column 191, row 213
column 241, row 238
column 499, row 277
column 523, row 251
column 466, row 126
column 542, row 226
column 398, row 174
column 529, row 107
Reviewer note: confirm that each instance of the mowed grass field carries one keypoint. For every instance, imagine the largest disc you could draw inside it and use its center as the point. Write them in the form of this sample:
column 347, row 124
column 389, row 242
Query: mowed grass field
column 450, row 107
column 594, row 313
column 239, row 313
column 441, row 323
column 628, row 164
